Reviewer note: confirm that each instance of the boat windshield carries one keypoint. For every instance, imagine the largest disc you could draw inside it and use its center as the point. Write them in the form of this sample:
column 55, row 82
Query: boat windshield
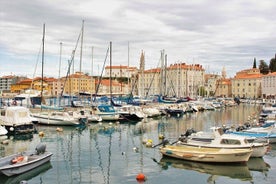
column 106, row 109
column 230, row 141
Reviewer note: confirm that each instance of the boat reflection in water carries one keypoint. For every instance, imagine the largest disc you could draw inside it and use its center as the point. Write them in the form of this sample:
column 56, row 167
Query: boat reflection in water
column 258, row 164
column 234, row 171
column 26, row 176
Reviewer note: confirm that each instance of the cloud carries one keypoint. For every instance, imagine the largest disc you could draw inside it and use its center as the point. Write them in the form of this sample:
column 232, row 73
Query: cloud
column 209, row 32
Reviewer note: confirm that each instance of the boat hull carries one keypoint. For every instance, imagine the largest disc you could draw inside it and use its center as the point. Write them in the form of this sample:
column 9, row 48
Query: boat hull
column 257, row 151
column 48, row 120
column 207, row 154
column 18, row 168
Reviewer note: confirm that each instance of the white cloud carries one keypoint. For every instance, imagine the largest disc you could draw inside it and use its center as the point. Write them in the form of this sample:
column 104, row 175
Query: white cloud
column 209, row 32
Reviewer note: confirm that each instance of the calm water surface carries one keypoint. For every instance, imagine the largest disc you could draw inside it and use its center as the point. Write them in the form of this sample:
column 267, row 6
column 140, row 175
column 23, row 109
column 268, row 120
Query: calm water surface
column 104, row 153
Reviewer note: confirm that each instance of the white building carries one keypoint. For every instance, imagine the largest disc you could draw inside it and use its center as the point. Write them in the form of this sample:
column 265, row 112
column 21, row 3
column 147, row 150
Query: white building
column 120, row 71
column 269, row 85
column 179, row 80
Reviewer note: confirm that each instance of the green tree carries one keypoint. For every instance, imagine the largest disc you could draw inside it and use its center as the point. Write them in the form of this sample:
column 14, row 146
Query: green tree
column 272, row 65
column 254, row 64
column 263, row 67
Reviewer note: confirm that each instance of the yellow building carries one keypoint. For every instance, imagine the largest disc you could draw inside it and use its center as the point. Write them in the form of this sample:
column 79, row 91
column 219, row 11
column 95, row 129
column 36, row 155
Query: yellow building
column 223, row 88
column 21, row 86
column 34, row 84
column 247, row 84
column 78, row 83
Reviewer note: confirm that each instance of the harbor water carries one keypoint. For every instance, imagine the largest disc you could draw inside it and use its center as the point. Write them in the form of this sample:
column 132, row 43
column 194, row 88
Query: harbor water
column 114, row 153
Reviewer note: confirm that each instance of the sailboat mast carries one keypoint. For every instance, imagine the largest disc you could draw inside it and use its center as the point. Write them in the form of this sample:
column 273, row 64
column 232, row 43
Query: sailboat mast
column 110, row 70
column 42, row 61
column 82, row 30
column 59, row 85
column 128, row 67
column 91, row 95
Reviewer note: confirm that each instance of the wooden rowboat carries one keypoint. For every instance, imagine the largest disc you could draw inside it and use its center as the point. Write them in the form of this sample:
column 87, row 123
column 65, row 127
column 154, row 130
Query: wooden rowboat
column 201, row 154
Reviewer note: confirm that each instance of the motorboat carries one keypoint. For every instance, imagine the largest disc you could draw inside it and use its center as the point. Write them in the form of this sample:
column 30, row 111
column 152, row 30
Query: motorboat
column 226, row 141
column 203, row 154
column 130, row 113
column 106, row 112
column 60, row 118
column 17, row 120
column 268, row 133
column 25, row 161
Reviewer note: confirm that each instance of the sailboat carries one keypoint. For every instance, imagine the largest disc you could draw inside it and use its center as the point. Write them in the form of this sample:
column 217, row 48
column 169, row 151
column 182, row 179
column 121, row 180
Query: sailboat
column 106, row 111
column 56, row 117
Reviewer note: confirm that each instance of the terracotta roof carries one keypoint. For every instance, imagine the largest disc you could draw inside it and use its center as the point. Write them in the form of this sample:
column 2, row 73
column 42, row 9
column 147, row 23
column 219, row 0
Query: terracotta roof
column 8, row 77
column 248, row 76
column 185, row 66
column 120, row 67
column 154, row 70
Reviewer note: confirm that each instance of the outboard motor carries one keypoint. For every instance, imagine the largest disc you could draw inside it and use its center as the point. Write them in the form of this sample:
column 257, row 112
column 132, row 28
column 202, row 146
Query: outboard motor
column 165, row 142
column 40, row 149
column 188, row 132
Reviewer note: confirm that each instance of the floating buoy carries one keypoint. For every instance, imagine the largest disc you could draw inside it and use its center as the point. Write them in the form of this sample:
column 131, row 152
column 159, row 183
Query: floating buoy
column 161, row 136
column 59, row 129
column 140, row 177
column 41, row 134
column 144, row 141
column 135, row 149
column 149, row 143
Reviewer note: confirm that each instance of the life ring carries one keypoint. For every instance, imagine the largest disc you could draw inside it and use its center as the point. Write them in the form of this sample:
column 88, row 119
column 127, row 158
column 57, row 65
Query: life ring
column 17, row 159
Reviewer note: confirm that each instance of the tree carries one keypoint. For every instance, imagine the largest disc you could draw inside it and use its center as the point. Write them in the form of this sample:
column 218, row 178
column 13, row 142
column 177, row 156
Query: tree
column 272, row 65
column 263, row 67
column 254, row 64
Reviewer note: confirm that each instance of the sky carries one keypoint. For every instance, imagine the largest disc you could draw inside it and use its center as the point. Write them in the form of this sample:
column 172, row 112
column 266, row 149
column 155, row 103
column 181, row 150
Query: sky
column 212, row 33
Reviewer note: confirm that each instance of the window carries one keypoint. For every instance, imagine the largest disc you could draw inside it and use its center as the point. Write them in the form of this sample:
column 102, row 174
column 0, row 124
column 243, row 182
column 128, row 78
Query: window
column 230, row 141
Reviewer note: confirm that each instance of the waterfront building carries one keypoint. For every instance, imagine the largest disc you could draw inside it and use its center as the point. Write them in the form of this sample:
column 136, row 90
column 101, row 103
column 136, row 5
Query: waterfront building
column 247, row 84
column 223, row 88
column 77, row 83
column 223, row 85
column 149, row 82
column 120, row 71
column 269, row 85
column 58, row 85
column 7, row 81
column 210, row 81
column 34, row 84
column 118, row 88
column 178, row 80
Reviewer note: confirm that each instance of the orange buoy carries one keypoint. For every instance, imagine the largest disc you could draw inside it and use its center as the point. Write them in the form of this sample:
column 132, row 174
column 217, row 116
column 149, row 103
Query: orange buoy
column 140, row 177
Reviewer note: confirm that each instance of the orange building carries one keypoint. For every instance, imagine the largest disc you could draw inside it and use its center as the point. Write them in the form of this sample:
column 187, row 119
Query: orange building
column 35, row 84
